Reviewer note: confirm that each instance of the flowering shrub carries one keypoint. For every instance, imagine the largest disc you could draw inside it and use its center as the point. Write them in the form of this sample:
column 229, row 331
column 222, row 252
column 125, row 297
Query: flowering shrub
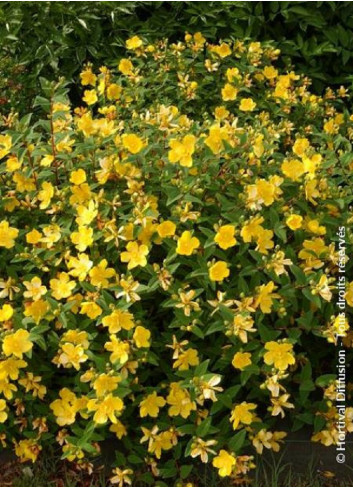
column 169, row 260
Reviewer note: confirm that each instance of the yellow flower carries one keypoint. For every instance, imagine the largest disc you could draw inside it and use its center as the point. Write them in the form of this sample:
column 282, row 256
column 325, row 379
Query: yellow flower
column 62, row 287
column 293, row 169
column 268, row 440
column 241, row 414
column 265, row 297
column 65, row 408
column 87, row 77
column 17, row 343
column 35, row 289
column 294, row 222
column 242, row 325
column 323, row 288
column 86, row 124
column 72, row 452
column 132, row 143
column 3, row 413
column 105, row 383
column 182, row 151
column 201, row 448
column 279, row 354
column 7, row 235
column 33, row 237
column 264, row 241
column 252, row 229
column 36, row 310
column 142, row 337
column 45, row 195
column 90, row 97
column 52, row 235
column 148, row 230
column 219, row 271
column 258, row 146
column 108, row 408
column 32, row 384
column 225, row 237
column 125, row 66
column 312, row 251
column 270, row 72
column 150, row 405
column 6, row 312
column 278, row 263
column 27, row 450
column 241, row 360
column 313, row 226
column 223, row 50
column 134, row 42
column 179, row 401
column 349, row 294
column 247, row 105
column 229, row 92
column 72, row 356
column 7, row 389
column 232, row 74
column 91, row 309
column 135, row 255
column 119, row 429
column 120, row 349
column 311, row 164
column 278, row 403
column 23, row 183
column 187, row 244
column 118, row 320
column 13, row 164
column 65, row 145
column 225, row 462
column 83, row 238
column 121, row 477
column 79, row 266
column 166, row 228
column 76, row 337
column 5, row 145
column 86, row 214
column 158, row 442
column 78, row 176
column 199, row 39
column 100, row 274
column 114, row 91
column 263, row 192
column 221, row 112
column 216, row 137
column 301, row 146
column 187, row 359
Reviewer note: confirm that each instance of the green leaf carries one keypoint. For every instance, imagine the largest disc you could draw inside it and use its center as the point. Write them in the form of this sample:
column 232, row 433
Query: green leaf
column 324, row 380
column 315, row 299
column 237, row 441
column 204, row 427
column 185, row 471
column 299, row 275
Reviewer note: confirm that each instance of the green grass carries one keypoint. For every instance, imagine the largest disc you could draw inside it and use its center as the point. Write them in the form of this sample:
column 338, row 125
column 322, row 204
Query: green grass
column 271, row 471
column 49, row 471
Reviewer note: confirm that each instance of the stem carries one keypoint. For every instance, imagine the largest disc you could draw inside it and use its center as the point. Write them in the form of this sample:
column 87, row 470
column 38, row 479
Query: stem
column 3, row 179
column 56, row 163
column 33, row 169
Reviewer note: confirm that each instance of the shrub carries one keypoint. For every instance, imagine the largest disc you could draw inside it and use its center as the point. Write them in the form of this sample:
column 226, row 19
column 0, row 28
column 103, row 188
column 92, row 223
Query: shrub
column 49, row 39
column 169, row 261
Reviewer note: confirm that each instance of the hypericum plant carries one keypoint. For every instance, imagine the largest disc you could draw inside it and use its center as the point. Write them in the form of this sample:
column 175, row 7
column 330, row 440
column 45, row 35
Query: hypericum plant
column 169, row 260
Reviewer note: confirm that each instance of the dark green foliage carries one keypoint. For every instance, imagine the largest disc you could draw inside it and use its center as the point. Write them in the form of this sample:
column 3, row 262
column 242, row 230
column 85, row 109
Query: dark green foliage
column 52, row 39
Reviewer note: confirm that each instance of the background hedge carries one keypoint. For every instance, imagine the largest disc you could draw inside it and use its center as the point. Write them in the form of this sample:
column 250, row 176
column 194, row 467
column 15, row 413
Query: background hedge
column 317, row 36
